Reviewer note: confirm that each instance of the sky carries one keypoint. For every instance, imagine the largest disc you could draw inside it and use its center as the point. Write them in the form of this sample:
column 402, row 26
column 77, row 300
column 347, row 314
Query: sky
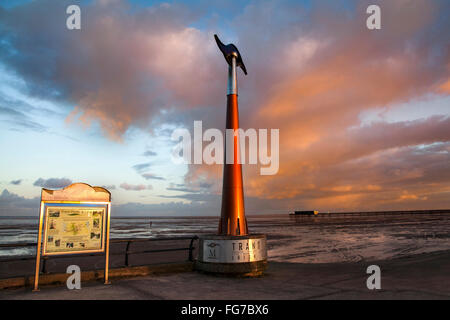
column 364, row 115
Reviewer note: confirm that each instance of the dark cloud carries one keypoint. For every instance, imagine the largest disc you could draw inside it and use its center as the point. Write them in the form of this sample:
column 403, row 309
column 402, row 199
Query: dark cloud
column 142, row 167
column 109, row 187
column 179, row 189
column 19, row 120
column 52, row 183
column 151, row 176
column 178, row 185
column 16, row 182
column 13, row 205
column 200, row 187
column 149, row 153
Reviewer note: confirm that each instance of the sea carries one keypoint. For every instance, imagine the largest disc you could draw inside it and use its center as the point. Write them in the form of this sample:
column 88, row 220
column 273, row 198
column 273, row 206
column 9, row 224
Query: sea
column 299, row 239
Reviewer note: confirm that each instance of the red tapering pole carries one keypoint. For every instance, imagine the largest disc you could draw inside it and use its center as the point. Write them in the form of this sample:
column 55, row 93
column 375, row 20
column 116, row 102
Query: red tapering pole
column 232, row 220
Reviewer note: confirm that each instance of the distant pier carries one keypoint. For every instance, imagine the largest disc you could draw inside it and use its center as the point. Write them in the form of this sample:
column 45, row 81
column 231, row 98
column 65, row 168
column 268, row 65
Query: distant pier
column 368, row 213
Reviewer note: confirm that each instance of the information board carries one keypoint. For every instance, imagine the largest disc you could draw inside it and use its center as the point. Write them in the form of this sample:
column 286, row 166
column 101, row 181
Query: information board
column 74, row 229
column 73, row 220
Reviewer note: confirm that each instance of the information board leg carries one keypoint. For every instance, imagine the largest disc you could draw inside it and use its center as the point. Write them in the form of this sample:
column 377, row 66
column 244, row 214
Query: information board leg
column 107, row 246
column 38, row 251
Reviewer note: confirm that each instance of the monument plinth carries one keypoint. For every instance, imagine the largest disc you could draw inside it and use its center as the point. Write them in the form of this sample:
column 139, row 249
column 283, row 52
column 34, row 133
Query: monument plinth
column 233, row 250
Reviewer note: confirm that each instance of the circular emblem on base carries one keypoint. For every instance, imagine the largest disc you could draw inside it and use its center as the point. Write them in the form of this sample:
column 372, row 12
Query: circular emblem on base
column 239, row 255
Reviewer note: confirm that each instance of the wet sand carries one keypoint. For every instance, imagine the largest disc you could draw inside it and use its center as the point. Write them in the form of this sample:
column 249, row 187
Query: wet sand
column 421, row 276
column 320, row 239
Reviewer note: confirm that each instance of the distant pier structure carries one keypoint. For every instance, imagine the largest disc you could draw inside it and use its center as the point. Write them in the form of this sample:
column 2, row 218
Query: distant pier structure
column 304, row 213
column 368, row 213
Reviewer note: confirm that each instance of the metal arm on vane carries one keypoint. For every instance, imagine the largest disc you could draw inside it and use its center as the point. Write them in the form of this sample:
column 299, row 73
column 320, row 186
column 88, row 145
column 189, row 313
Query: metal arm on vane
column 234, row 59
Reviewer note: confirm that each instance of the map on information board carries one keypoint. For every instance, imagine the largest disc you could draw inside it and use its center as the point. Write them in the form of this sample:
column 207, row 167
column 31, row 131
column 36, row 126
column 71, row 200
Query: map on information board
column 74, row 229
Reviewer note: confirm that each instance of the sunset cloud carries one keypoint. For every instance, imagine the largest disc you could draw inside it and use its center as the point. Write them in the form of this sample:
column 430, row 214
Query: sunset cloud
column 328, row 158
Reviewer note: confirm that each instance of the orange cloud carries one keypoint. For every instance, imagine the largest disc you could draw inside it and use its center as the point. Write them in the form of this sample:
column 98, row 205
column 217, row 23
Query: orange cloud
column 328, row 160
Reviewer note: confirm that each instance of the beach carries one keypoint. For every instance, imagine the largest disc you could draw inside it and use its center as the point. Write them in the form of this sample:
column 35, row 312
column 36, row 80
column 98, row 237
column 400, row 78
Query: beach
column 322, row 239
column 309, row 258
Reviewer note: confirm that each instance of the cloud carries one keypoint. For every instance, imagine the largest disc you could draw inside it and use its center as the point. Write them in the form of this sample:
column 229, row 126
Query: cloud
column 149, row 153
column 16, row 182
column 139, row 187
column 327, row 70
column 144, row 60
column 178, row 189
column 109, row 187
column 19, row 120
column 149, row 176
column 13, row 205
column 142, row 166
column 194, row 205
column 52, row 183
column 200, row 187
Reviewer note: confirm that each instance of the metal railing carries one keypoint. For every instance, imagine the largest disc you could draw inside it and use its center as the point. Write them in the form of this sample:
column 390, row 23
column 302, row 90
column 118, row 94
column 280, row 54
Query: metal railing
column 126, row 253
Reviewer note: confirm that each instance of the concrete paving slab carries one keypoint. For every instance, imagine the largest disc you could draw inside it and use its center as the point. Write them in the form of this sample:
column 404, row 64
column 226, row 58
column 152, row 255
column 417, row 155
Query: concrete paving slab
column 418, row 277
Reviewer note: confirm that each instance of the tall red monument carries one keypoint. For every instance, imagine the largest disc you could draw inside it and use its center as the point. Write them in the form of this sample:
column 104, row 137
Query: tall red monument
column 232, row 220
column 233, row 250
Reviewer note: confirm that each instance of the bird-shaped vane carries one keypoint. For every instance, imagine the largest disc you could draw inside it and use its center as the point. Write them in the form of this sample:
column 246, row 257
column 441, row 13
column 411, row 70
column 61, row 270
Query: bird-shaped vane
column 229, row 51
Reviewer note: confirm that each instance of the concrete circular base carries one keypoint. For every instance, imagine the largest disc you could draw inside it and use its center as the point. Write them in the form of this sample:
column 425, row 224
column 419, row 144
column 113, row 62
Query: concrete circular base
column 232, row 255
column 249, row 269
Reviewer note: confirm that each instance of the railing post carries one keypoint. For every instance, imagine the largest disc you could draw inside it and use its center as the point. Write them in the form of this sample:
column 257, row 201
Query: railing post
column 191, row 248
column 126, row 253
column 44, row 265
